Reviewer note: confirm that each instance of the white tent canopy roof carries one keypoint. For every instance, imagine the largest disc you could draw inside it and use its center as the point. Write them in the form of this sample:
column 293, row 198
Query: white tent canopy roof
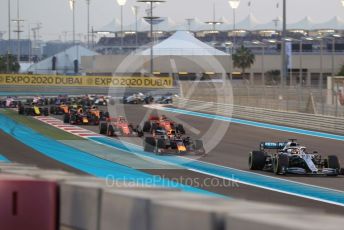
column 335, row 23
column 305, row 24
column 64, row 62
column 271, row 25
column 195, row 25
column 142, row 26
column 249, row 23
column 183, row 43
column 113, row 26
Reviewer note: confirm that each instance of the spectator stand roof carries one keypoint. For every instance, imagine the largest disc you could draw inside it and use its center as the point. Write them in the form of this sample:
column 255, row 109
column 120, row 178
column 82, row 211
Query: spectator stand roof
column 64, row 61
column 335, row 23
column 306, row 23
column 113, row 26
column 142, row 26
column 248, row 24
column 275, row 24
column 183, row 43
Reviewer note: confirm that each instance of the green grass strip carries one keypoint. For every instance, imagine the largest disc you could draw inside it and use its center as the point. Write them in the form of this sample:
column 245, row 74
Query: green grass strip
column 38, row 126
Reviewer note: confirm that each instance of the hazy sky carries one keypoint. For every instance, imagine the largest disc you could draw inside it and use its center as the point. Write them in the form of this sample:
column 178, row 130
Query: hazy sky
column 56, row 16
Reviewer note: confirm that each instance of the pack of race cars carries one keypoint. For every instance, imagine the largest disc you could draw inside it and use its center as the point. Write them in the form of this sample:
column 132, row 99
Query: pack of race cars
column 164, row 136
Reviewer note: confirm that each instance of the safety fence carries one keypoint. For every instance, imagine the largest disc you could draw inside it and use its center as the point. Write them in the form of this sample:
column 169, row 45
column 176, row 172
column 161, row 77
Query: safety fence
column 32, row 198
column 294, row 99
column 293, row 119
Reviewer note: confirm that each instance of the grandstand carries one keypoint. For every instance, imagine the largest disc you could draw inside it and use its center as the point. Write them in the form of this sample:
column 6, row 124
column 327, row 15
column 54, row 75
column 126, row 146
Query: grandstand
column 247, row 30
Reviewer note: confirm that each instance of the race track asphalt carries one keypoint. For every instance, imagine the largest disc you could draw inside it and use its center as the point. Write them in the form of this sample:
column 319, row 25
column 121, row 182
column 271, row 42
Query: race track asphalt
column 232, row 151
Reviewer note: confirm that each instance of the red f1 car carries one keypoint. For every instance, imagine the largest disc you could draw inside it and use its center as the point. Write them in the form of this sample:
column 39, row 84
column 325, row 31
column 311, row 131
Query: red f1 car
column 119, row 126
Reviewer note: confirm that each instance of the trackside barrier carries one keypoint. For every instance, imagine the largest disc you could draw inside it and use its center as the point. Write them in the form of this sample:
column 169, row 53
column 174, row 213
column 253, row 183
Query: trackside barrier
column 87, row 196
column 89, row 203
column 116, row 205
column 27, row 203
column 294, row 119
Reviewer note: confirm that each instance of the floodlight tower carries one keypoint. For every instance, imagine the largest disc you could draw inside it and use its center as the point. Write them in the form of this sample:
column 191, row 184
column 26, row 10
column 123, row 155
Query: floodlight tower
column 18, row 21
column 284, row 71
column 88, row 2
column 72, row 7
column 136, row 10
column 121, row 3
column 234, row 4
column 214, row 22
column 151, row 20
column 9, row 38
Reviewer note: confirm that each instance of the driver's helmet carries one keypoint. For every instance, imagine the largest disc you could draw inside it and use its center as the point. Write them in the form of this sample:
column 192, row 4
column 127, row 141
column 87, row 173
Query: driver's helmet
column 293, row 151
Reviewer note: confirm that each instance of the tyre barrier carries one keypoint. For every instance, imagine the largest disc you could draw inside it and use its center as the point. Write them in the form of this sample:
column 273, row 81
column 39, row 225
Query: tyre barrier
column 33, row 198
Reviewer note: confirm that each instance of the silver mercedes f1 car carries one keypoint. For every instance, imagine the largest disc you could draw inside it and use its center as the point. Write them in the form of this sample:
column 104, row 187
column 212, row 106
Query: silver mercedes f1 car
column 290, row 157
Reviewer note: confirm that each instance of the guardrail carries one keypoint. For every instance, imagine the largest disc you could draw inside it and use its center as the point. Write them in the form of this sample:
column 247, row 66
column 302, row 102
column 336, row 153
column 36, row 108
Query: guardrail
column 32, row 198
column 293, row 119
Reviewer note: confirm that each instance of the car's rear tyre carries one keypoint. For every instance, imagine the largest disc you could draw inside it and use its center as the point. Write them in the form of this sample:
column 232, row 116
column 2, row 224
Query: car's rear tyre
column 333, row 163
column 160, row 145
column 21, row 110
column 110, row 131
column 256, row 160
column 280, row 164
column 103, row 128
column 149, row 144
column 45, row 112
column 66, row 118
column 146, row 127
column 154, row 127
column 180, row 129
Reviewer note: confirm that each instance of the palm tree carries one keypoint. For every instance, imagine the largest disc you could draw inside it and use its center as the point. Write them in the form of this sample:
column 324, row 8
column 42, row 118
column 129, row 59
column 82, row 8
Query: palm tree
column 243, row 59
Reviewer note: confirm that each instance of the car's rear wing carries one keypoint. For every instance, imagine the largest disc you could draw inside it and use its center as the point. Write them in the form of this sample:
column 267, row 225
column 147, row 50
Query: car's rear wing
column 272, row 145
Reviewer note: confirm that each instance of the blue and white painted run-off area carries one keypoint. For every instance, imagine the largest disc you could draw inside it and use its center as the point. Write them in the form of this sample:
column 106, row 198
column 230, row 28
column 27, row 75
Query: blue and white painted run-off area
column 84, row 161
column 3, row 159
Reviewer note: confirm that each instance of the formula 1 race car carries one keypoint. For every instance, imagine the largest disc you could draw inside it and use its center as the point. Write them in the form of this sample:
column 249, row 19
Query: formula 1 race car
column 119, row 126
column 82, row 116
column 99, row 100
column 32, row 111
column 162, row 142
column 10, row 103
column 137, row 98
column 59, row 109
column 166, row 99
column 155, row 122
column 290, row 157
column 38, row 101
